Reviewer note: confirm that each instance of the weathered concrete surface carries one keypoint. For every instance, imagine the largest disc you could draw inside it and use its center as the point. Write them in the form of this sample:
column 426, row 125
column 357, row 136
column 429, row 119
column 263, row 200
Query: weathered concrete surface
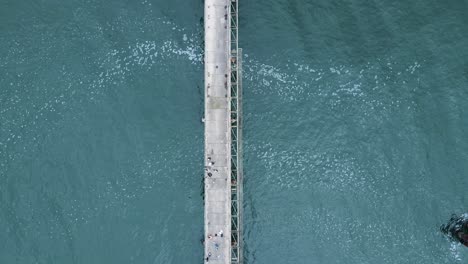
column 217, row 133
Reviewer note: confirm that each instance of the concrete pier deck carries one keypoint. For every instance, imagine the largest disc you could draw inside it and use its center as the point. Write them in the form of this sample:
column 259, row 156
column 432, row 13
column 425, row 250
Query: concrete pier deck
column 217, row 133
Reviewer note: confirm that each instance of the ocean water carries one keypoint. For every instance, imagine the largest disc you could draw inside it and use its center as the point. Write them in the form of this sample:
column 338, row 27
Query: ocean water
column 356, row 143
column 100, row 133
column 356, row 130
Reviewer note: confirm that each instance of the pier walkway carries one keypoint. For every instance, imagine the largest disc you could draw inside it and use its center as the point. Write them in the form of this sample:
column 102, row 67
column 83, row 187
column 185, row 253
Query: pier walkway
column 223, row 155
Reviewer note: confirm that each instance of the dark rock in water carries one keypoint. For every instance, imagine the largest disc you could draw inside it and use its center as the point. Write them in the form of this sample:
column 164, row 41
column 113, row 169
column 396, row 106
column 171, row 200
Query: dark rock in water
column 457, row 228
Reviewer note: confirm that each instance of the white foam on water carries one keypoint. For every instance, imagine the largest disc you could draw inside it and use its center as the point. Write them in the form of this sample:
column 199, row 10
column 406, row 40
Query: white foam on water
column 55, row 101
column 455, row 251
column 116, row 66
column 336, row 85
column 293, row 168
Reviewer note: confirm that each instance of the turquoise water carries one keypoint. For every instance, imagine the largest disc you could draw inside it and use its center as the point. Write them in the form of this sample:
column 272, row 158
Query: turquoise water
column 100, row 136
column 356, row 122
column 356, row 130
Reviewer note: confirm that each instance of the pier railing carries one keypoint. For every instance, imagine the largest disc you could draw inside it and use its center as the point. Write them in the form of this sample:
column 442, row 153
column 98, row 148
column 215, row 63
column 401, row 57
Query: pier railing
column 236, row 138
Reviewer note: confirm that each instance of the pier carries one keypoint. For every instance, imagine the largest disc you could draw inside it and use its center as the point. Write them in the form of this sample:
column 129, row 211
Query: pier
column 223, row 134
